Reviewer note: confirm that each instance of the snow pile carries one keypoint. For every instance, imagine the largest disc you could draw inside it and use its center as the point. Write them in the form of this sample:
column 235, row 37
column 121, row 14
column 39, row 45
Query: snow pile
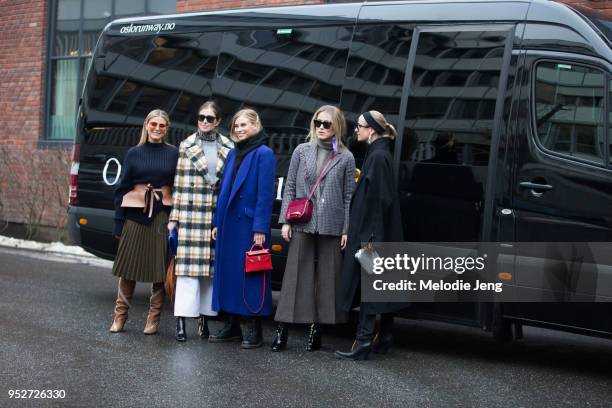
column 55, row 251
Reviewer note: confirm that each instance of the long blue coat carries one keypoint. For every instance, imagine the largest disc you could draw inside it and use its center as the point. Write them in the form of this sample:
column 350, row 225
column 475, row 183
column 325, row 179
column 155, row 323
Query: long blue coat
column 243, row 208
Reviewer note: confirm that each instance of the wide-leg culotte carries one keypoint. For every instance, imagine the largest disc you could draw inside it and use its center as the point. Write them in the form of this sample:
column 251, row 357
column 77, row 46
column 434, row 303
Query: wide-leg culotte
column 310, row 288
column 193, row 296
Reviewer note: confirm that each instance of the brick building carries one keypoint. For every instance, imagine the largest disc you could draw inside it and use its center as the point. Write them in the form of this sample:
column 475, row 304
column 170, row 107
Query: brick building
column 45, row 47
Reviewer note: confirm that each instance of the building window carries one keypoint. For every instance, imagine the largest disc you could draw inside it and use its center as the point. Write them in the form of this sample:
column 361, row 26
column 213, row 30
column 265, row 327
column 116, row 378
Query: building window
column 74, row 29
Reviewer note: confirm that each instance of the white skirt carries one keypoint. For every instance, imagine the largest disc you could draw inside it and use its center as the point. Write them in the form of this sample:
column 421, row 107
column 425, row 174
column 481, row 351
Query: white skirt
column 193, row 296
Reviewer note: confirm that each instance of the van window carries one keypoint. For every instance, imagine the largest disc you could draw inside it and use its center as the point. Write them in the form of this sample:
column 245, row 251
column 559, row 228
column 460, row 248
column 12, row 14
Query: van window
column 286, row 75
column 171, row 72
column 375, row 73
column 447, row 135
column 569, row 103
column 452, row 98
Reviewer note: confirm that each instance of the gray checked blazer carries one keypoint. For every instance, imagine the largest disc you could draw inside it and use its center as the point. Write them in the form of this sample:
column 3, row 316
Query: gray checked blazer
column 330, row 215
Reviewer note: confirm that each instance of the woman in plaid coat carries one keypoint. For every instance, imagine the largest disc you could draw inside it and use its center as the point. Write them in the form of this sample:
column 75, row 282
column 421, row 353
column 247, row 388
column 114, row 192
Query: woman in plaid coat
column 200, row 165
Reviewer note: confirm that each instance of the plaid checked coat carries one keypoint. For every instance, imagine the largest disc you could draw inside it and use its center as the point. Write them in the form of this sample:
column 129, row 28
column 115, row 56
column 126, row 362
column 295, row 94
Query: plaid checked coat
column 195, row 200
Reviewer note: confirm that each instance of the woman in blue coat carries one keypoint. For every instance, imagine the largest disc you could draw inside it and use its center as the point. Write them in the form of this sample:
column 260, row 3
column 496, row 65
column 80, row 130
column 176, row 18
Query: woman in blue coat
column 242, row 218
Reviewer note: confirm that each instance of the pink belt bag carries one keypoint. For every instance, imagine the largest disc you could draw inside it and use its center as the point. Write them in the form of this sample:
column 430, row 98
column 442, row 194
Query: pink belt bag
column 299, row 210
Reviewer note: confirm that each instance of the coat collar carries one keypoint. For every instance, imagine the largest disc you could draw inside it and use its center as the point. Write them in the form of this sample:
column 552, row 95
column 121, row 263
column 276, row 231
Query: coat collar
column 195, row 153
column 243, row 171
column 310, row 156
column 383, row 143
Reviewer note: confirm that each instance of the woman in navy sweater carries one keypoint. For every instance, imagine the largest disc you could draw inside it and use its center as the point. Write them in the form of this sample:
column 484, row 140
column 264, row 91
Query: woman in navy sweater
column 142, row 203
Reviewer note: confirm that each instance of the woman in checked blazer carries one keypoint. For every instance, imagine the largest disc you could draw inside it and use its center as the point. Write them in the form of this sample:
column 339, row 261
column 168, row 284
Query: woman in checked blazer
column 200, row 165
column 308, row 293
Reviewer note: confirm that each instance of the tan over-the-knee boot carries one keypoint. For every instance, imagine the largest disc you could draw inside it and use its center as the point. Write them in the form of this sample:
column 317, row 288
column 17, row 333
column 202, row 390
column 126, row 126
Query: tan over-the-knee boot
column 125, row 292
column 155, row 305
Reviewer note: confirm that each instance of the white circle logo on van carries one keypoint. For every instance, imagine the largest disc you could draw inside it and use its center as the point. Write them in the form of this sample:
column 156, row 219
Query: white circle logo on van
column 105, row 172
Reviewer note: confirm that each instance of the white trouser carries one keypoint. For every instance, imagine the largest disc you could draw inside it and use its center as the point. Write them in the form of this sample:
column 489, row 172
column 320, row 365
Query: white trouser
column 193, row 296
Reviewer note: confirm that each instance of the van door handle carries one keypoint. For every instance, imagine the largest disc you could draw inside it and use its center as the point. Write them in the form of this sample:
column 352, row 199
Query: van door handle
column 536, row 189
column 535, row 186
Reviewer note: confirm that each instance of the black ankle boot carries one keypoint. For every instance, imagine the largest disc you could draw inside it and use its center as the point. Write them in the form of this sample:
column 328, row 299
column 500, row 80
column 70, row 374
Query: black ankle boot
column 384, row 337
column 230, row 332
column 381, row 343
column 255, row 338
column 360, row 351
column 280, row 338
column 203, row 331
column 314, row 338
column 180, row 329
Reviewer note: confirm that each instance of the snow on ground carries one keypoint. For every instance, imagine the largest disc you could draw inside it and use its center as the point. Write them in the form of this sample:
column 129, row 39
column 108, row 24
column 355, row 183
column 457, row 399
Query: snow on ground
column 54, row 251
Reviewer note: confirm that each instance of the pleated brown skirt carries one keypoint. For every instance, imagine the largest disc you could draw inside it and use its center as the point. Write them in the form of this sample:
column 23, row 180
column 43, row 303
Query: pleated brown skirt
column 142, row 255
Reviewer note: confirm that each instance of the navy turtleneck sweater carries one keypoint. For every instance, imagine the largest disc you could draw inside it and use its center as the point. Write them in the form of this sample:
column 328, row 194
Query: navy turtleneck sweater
column 150, row 163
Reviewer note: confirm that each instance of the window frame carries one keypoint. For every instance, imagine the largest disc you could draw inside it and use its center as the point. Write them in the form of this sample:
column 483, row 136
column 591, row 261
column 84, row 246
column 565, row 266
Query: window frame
column 607, row 77
column 45, row 140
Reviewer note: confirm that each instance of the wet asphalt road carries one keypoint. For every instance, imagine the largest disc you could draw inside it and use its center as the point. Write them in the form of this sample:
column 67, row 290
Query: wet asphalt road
column 54, row 320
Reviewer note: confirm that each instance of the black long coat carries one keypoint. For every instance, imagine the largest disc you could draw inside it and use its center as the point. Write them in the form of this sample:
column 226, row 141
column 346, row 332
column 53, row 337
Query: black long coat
column 375, row 213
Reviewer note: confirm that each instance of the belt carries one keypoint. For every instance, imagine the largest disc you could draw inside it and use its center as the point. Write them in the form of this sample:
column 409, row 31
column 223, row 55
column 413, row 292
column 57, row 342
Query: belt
column 144, row 196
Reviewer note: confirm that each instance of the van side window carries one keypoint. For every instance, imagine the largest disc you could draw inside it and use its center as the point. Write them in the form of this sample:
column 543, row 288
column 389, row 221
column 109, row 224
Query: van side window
column 375, row 73
column 569, row 102
column 449, row 119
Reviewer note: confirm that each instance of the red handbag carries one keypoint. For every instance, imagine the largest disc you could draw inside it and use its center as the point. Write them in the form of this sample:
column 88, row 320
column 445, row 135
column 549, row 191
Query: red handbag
column 256, row 261
column 299, row 210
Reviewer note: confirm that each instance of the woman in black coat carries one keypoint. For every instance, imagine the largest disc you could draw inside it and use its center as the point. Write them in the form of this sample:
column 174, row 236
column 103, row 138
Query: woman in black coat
column 374, row 216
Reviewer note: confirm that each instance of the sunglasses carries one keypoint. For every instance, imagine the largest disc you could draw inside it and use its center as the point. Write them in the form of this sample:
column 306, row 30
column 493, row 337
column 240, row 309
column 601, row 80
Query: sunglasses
column 157, row 124
column 207, row 118
column 324, row 123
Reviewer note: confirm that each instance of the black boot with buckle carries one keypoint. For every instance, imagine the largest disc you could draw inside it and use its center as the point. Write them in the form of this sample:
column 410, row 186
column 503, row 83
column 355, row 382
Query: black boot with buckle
column 180, row 329
column 314, row 338
column 280, row 338
column 228, row 333
column 255, row 338
column 360, row 351
column 203, row 331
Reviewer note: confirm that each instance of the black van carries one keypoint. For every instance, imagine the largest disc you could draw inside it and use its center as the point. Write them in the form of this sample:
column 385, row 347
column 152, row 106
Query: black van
column 503, row 110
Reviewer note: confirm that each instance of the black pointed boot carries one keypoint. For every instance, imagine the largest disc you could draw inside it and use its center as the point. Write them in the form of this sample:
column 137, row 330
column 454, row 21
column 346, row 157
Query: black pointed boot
column 280, row 338
column 203, row 331
column 180, row 329
column 255, row 337
column 228, row 333
column 360, row 351
column 314, row 338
